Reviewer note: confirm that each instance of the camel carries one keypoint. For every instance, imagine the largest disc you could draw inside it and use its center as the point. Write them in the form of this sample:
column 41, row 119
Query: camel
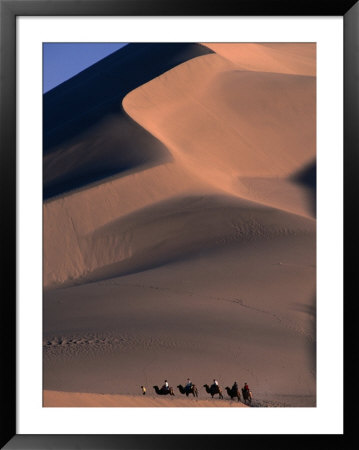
column 233, row 393
column 163, row 391
column 247, row 396
column 193, row 390
column 213, row 390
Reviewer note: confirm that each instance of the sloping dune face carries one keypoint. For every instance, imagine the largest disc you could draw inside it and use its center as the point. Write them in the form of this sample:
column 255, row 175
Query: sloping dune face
column 87, row 136
column 179, row 221
column 234, row 105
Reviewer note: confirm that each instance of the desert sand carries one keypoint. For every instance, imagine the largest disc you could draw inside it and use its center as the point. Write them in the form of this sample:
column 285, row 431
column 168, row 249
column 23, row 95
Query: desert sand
column 179, row 225
column 75, row 399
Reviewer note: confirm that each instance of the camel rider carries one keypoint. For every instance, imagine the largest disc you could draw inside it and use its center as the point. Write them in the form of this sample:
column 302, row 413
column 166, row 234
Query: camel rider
column 166, row 386
column 188, row 385
column 215, row 384
column 235, row 387
column 247, row 391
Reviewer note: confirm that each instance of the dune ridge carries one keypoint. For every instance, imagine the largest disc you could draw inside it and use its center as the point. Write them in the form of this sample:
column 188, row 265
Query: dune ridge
column 87, row 136
column 291, row 58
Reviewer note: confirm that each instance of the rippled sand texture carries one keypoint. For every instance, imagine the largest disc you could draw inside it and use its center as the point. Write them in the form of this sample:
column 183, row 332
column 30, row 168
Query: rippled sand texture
column 179, row 223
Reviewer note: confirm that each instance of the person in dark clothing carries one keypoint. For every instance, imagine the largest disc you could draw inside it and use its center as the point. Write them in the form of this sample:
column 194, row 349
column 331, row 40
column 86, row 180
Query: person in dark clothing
column 188, row 386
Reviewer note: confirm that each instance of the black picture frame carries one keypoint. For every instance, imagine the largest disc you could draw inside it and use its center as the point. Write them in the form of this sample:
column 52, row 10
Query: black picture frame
column 9, row 10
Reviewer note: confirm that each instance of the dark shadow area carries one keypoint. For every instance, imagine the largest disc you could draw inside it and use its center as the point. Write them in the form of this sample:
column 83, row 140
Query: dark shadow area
column 87, row 136
column 116, row 146
column 308, row 178
column 78, row 103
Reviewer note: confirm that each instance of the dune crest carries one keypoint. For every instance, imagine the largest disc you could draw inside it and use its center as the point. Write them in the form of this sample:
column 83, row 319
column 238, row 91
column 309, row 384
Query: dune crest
column 87, row 136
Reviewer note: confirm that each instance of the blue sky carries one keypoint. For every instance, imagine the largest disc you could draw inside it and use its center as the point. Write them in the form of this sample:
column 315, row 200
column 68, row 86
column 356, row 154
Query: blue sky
column 62, row 61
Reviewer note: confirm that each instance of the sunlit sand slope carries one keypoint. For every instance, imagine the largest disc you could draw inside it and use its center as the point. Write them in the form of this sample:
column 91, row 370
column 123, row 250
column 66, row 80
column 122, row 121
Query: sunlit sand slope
column 75, row 399
column 225, row 123
column 291, row 58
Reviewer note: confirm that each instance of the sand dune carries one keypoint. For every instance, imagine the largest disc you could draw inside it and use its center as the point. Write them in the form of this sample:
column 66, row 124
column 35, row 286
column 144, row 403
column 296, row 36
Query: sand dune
column 179, row 226
column 172, row 230
column 243, row 313
column 216, row 157
column 177, row 229
column 87, row 137
column 70, row 219
column 108, row 149
column 256, row 124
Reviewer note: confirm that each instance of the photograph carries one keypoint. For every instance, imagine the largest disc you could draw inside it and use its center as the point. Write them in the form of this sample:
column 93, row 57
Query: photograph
column 179, row 224
column 178, row 208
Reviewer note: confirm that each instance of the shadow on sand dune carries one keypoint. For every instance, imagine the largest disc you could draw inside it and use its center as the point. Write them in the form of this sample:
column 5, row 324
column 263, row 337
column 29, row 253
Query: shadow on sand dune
column 116, row 145
column 175, row 230
column 307, row 177
column 87, row 136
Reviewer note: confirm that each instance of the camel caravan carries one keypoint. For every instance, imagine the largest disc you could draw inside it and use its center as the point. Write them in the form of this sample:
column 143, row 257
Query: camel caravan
column 214, row 389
